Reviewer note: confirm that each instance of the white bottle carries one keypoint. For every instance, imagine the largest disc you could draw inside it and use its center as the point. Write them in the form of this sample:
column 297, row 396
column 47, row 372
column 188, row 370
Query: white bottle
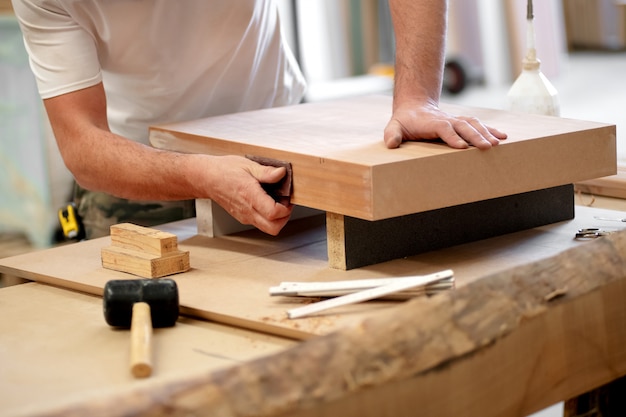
column 532, row 92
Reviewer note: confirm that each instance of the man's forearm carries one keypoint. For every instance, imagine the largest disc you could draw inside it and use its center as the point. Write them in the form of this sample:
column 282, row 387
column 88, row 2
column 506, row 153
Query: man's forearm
column 131, row 170
column 420, row 31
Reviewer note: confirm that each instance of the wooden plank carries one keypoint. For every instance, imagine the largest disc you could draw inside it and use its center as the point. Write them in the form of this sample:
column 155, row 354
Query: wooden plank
column 144, row 264
column 507, row 344
column 353, row 243
column 341, row 165
column 57, row 349
column 611, row 186
column 230, row 276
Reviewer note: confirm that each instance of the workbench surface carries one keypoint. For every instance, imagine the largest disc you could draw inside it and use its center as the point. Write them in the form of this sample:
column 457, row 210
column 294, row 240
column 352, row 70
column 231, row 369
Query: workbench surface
column 515, row 354
column 231, row 275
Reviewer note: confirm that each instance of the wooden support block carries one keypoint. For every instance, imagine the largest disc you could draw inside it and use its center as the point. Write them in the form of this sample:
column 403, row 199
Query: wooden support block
column 213, row 221
column 143, row 251
column 353, row 243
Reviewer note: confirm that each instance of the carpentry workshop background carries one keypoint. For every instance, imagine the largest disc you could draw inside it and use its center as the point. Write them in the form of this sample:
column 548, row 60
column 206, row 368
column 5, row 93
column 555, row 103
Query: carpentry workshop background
column 345, row 49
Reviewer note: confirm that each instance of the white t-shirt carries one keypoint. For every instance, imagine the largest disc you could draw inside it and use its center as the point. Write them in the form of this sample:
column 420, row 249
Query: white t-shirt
column 161, row 60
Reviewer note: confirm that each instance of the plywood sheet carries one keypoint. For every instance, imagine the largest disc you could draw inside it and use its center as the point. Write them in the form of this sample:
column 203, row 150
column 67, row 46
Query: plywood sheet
column 57, row 349
column 230, row 276
column 341, row 165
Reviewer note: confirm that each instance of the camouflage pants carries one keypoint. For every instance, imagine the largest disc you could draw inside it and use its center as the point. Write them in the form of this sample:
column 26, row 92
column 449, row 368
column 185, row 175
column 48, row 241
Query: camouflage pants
column 100, row 210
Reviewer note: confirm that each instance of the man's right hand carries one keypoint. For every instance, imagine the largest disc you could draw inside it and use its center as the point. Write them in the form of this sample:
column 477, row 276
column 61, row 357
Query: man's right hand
column 103, row 161
column 236, row 186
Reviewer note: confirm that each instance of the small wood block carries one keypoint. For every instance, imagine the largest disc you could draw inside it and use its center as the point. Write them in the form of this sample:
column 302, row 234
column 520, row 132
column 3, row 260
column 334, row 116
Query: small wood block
column 143, row 239
column 353, row 243
column 143, row 251
column 144, row 264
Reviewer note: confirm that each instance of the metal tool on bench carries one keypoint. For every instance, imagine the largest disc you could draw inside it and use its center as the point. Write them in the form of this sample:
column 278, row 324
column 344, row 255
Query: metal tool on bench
column 590, row 233
column 610, row 219
column 141, row 304
column 354, row 291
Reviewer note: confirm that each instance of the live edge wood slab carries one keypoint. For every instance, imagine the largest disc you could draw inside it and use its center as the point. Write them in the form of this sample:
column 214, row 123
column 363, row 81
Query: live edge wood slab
column 505, row 345
column 341, row 166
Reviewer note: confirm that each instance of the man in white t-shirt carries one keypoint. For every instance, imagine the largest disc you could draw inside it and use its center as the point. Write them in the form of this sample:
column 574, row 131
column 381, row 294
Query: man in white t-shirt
column 108, row 69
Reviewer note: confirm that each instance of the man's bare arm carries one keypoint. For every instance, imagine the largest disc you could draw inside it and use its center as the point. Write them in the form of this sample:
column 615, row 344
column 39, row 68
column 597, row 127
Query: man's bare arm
column 420, row 31
column 103, row 161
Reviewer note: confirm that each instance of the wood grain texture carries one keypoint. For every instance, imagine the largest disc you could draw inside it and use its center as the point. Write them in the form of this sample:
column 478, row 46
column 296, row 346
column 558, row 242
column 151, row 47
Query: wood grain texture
column 500, row 346
column 141, row 341
column 144, row 264
column 341, row 165
column 144, row 251
column 143, row 239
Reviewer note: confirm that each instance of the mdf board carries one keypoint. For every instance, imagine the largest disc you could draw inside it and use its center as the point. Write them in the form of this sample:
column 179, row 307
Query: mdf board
column 341, row 166
column 230, row 276
column 58, row 351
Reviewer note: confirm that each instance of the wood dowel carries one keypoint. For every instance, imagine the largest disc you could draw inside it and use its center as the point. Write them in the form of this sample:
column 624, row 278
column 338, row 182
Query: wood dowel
column 141, row 341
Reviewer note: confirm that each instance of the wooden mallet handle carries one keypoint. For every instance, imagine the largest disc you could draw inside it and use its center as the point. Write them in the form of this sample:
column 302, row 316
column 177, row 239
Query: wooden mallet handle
column 141, row 341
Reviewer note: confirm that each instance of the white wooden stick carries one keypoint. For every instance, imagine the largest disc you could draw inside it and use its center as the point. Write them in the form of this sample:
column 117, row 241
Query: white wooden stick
column 335, row 288
column 368, row 294
column 428, row 289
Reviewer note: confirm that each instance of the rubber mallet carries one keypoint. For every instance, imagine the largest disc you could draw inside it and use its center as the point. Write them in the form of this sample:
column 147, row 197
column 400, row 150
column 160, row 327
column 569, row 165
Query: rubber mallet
column 141, row 304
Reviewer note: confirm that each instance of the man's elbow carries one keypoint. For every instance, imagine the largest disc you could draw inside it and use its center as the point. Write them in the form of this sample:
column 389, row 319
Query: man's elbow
column 84, row 173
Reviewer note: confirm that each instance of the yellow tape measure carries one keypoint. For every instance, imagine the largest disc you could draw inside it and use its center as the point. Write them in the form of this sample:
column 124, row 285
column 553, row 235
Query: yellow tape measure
column 71, row 223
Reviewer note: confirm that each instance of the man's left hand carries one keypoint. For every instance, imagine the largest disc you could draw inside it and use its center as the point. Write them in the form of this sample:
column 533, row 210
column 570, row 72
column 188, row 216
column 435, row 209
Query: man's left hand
column 416, row 121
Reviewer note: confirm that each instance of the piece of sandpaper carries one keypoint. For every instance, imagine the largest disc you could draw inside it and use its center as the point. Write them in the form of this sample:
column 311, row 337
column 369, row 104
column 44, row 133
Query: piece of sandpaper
column 281, row 190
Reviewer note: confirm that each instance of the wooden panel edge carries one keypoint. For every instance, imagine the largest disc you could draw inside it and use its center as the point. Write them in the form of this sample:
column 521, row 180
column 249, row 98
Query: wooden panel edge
column 611, row 186
column 355, row 199
column 336, row 240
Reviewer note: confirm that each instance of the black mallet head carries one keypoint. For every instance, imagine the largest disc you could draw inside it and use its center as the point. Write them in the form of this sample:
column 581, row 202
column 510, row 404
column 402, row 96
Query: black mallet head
column 120, row 296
